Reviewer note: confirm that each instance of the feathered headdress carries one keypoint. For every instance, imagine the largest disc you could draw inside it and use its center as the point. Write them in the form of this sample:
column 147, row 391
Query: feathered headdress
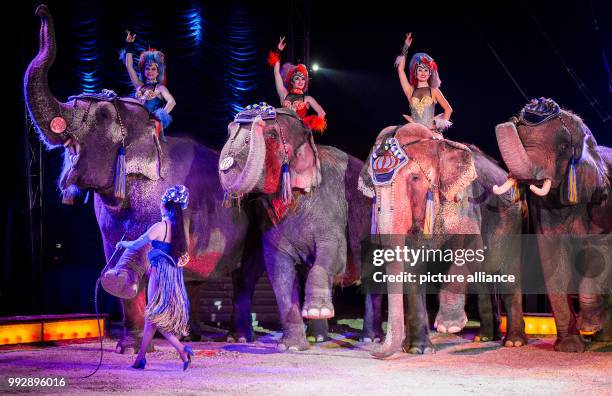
column 424, row 60
column 153, row 56
column 289, row 70
column 178, row 194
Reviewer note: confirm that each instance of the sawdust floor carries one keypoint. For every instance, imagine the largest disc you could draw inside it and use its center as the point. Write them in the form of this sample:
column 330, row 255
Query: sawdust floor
column 339, row 366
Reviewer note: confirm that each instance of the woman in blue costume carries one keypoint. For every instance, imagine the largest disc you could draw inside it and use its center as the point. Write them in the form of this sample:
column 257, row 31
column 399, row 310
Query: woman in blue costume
column 150, row 84
column 167, row 308
column 422, row 90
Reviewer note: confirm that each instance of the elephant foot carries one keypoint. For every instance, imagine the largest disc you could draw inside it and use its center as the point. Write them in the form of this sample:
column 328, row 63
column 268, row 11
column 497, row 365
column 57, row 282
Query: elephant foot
column 604, row 335
column 591, row 320
column 451, row 317
column 372, row 336
column 120, row 347
column 515, row 339
column 134, row 343
column 239, row 337
column 392, row 344
column 293, row 343
column 569, row 343
column 318, row 308
column 450, row 322
column 419, row 347
column 317, row 331
column 486, row 335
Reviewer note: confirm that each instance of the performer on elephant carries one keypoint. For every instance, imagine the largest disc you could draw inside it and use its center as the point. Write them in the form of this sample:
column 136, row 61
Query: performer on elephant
column 150, row 83
column 167, row 309
column 292, row 85
column 422, row 90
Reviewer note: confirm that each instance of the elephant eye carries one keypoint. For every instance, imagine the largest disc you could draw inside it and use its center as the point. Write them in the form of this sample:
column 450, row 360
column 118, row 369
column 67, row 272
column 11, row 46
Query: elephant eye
column 415, row 177
column 563, row 147
column 271, row 134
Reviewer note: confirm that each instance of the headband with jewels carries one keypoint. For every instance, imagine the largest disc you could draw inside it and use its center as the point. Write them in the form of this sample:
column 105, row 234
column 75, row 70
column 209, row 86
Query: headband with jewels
column 261, row 109
column 178, row 194
column 538, row 111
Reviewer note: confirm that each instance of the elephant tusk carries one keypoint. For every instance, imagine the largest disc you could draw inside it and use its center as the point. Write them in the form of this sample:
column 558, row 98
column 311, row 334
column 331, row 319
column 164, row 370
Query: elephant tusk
column 497, row 190
column 541, row 191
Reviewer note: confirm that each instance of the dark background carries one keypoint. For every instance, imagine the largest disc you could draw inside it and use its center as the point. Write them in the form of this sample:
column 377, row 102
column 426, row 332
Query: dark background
column 217, row 63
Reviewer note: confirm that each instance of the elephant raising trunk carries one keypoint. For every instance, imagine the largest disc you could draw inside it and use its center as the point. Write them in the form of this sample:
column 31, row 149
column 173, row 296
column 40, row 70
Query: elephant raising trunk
column 42, row 105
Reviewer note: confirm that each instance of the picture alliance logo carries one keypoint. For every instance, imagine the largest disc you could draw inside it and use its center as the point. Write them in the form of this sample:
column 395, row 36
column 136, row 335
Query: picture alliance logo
column 412, row 256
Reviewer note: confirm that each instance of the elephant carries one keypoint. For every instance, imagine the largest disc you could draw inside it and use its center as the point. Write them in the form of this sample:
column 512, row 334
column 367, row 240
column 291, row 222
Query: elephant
column 569, row 176
column 459, row 181
column 92, row 129
column 319, row 222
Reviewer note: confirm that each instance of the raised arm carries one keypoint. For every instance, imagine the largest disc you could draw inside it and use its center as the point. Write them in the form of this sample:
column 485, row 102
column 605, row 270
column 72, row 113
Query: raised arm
column 129, row 60
column 400, row 63
column 278, row 79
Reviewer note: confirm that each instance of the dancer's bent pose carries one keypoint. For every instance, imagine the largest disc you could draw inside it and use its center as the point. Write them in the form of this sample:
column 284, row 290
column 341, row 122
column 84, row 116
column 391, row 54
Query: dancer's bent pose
column 168, row 305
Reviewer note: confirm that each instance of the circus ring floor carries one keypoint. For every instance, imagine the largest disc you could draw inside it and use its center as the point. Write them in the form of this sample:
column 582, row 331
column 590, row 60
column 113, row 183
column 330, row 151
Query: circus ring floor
column 339, row 366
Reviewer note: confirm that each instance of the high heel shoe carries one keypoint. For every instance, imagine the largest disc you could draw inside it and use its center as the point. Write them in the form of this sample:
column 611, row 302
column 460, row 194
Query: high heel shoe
column 187, row 349
column 140, row 364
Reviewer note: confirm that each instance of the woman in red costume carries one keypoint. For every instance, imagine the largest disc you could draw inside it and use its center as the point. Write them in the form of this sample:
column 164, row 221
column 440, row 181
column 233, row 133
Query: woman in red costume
column 291, row 86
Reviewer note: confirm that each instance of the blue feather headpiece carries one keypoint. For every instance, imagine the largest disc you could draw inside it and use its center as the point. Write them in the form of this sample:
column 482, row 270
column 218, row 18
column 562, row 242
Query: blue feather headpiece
column 177, row 194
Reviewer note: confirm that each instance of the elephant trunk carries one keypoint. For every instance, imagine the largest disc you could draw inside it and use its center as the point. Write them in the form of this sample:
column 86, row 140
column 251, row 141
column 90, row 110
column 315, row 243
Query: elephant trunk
column 513, row 152
column 42, row 105
column 243, row 181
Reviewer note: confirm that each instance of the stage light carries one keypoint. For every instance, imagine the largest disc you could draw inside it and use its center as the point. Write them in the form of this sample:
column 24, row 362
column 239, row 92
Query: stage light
column 315, row 67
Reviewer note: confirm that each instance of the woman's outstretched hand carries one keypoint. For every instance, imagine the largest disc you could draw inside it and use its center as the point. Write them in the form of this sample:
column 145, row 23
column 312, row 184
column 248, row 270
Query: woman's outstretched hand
column 281, row 44
column 408, row 40
column 131, row 37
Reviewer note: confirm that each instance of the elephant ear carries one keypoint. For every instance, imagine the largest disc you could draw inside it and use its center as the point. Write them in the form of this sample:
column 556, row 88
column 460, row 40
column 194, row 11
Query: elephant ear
column 457, row 169
column 143, row 154
column 305, row 166
column 592, row 181
column 365, row 184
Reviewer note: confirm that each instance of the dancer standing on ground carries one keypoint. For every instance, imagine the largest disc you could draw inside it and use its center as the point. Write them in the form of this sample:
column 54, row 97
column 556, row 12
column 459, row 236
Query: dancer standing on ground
column 167, row 308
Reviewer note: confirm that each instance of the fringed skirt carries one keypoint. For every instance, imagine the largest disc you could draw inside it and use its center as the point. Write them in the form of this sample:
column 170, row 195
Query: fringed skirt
column 168, row 310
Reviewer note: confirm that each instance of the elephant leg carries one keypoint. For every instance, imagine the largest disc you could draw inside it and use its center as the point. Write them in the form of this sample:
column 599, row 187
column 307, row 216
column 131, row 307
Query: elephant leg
column 318, row 329
column 244, row 280
column 592, row 314
column 133, row 322
column 515, row 325
column 488, row 310
column 194, row 293
column 372, row 319
column 318, row 297
column 417, row 340
column 285, row 283
column 605, row 334
column 557, row 273
column 451, row 317
column 395, row 322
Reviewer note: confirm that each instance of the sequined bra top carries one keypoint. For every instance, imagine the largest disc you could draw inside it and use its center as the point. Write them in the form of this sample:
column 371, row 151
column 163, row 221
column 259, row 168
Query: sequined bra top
column 297, row 103
column 422, row 106
column 149, row 97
